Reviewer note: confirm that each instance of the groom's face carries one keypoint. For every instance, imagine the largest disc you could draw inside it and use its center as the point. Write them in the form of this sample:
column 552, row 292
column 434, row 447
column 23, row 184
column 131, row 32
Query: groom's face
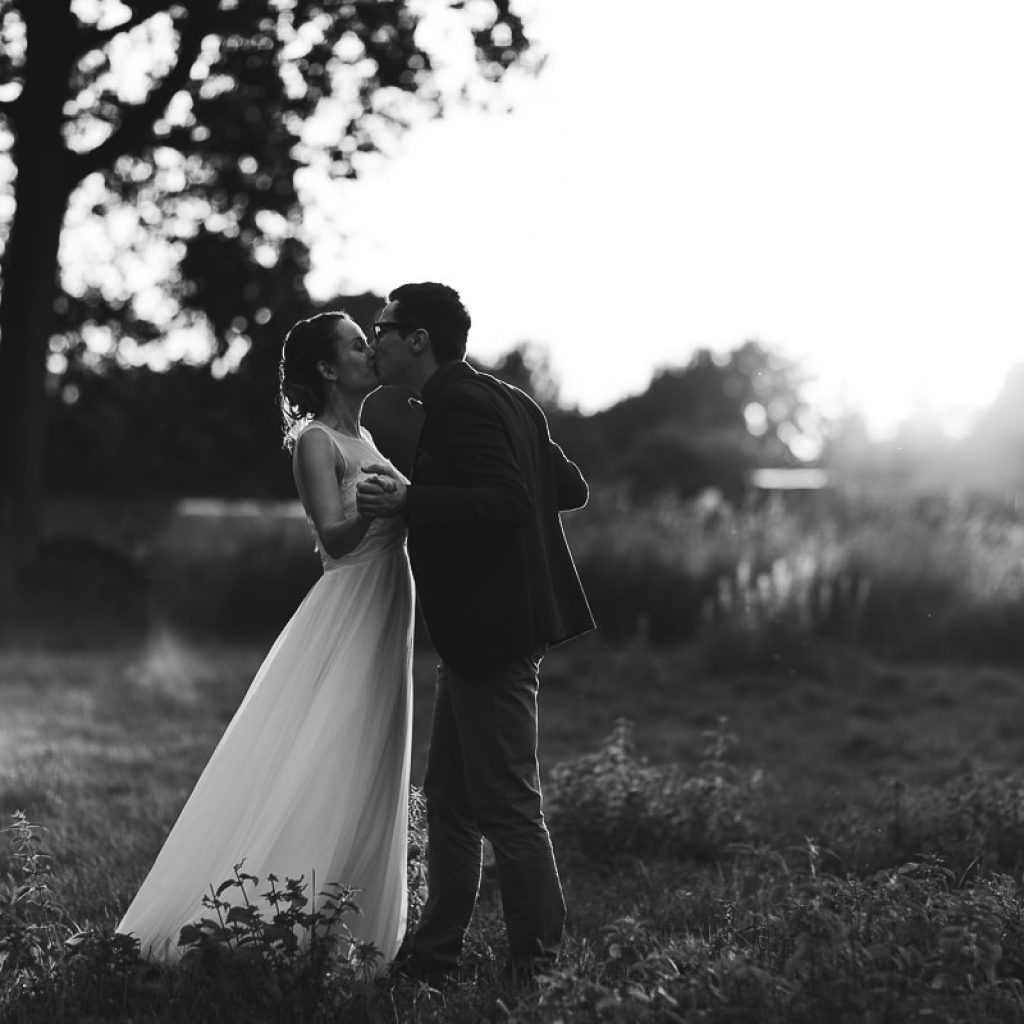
column 390, row 350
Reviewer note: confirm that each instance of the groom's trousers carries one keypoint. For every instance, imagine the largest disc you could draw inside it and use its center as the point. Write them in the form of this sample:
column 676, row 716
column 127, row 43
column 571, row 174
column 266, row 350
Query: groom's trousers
column 483, row 779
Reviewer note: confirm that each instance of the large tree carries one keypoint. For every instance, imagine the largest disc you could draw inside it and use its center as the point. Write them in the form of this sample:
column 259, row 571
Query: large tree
column 190, row 124
column 707, row 423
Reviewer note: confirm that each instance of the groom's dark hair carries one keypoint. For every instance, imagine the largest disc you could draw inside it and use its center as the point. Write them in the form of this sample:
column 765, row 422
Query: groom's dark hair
column 439, row 310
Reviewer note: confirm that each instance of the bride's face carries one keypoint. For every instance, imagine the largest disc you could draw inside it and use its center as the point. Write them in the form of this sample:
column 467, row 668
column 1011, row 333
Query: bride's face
column 352, row 364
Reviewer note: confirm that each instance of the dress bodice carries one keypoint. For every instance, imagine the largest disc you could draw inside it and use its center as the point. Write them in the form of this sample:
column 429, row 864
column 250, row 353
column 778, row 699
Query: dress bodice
column 383, row 534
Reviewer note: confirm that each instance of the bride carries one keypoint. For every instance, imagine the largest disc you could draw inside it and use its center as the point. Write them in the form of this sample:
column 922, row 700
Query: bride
column 311, row 777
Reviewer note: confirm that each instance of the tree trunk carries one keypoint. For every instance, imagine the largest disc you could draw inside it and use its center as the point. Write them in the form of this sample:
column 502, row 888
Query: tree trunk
column 31, row 280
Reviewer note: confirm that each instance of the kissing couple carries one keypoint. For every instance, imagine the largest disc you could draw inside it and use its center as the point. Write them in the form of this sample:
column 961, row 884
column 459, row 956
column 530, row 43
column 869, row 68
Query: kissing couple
column 311, row 777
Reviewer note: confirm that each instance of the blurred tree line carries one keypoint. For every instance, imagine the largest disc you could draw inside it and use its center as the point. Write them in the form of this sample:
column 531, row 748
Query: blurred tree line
column 184, row 431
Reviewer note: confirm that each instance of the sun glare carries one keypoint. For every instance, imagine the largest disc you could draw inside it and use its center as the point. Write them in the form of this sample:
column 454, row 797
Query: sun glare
column 946, row 391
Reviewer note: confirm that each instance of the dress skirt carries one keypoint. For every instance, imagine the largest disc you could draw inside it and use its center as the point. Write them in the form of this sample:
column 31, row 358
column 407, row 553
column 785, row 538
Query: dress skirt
column 311, row 777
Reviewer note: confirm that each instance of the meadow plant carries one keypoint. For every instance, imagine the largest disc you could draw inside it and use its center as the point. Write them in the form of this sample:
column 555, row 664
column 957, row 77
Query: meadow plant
column 45, row 963
column 31, row 919
column 278, row 935
column 292, row 952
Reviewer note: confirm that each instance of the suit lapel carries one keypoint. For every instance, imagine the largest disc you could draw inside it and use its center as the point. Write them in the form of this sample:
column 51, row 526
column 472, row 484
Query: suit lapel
column 443, row 378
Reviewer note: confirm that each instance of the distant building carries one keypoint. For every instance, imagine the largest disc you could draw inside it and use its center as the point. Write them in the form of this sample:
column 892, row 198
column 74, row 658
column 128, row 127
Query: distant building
column 804, row 478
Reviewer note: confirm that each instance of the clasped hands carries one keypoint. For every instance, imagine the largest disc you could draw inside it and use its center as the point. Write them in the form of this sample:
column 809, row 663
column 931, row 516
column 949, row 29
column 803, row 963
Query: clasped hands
column 381, row 493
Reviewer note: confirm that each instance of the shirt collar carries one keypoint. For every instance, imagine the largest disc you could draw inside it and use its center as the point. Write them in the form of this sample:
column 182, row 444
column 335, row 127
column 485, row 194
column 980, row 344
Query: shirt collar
column 446, row 372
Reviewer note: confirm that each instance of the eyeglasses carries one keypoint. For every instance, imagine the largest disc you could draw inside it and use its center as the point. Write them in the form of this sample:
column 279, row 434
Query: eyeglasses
column 385, row 325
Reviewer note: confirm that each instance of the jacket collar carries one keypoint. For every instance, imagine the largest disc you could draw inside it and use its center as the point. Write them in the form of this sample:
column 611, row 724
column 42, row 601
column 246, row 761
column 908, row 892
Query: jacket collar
column 445, row 374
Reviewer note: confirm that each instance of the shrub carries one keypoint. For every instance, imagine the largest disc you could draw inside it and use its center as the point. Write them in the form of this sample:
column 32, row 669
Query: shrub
column 80, row 593
column 612, row 804
column 973, row 821
column 239, row 576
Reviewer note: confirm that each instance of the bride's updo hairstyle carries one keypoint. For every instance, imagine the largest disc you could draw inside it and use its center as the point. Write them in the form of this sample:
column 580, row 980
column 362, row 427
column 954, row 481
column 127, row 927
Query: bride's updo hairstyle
column 302, row 389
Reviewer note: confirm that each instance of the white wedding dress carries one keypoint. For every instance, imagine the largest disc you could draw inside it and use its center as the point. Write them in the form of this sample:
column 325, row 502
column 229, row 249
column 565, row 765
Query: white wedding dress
column 312, row 774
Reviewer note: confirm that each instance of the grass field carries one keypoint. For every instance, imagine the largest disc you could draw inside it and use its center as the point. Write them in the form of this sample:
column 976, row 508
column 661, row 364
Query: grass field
column 100, row 748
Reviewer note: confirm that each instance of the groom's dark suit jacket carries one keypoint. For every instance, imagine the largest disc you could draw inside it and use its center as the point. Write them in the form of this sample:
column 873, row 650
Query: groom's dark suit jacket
column 493, row 572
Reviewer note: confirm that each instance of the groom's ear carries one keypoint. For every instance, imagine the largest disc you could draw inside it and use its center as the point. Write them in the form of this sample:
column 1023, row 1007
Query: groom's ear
column 419, row 340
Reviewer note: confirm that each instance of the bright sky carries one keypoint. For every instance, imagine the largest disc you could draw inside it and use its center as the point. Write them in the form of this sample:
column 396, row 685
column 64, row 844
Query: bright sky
column 841, row 180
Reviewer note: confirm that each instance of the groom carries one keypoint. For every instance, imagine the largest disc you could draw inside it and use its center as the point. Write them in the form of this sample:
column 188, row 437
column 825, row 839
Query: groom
column 497, row 586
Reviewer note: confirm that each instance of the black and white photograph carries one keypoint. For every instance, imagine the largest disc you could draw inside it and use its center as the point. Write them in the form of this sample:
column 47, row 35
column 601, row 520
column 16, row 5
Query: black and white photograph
column 511, row 511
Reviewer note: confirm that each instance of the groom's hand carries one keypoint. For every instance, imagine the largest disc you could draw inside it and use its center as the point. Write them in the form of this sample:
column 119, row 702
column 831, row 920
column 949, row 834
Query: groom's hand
column 382, row 493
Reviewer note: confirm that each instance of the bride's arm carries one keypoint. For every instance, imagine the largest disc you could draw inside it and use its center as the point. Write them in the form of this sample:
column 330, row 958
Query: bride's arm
column 314, row 468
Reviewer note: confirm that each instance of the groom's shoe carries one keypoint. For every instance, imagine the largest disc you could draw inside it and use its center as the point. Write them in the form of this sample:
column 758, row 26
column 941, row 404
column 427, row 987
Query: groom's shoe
column 415, row 969
column 521, row 974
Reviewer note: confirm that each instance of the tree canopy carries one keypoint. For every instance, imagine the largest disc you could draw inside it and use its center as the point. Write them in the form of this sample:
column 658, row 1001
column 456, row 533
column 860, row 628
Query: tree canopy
column 707, row 423
column 181, row 141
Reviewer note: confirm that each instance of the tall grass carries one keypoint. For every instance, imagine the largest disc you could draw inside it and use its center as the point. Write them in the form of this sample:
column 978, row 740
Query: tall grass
column 760, row 586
